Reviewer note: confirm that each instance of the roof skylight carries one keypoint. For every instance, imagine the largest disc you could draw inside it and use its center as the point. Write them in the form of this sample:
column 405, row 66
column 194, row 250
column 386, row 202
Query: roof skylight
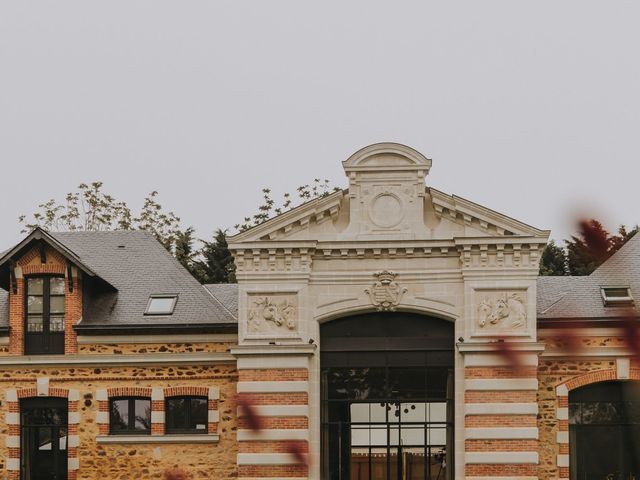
column 161, row 304
column 614, row 296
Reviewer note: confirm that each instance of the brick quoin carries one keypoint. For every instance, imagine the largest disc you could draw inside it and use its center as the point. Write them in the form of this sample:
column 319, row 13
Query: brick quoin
column 500, row 372
column 501, row 470
column 255, row 375
column 284, row 446
column 500, row 421
column 278, row 422
column 297, row 398
column 501, row 445
column 267, row 471
column 515, row 396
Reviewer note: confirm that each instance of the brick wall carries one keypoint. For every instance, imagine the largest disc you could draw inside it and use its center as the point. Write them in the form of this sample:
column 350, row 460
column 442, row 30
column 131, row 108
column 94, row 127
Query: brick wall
column 28, row 265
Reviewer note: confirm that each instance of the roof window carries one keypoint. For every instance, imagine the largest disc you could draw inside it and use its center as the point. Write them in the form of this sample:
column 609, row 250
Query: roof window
column 616, row 296
column 161, row 304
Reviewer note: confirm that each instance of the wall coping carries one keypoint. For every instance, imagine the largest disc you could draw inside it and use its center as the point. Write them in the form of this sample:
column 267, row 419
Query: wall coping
column 291, row 349
column 117, row 360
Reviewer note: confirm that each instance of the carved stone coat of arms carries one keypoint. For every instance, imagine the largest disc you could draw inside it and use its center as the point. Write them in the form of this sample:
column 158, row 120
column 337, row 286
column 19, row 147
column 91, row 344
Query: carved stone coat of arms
column 386, row 293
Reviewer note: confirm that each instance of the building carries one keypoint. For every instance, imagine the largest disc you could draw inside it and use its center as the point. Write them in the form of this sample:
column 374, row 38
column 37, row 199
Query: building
column 388, row 331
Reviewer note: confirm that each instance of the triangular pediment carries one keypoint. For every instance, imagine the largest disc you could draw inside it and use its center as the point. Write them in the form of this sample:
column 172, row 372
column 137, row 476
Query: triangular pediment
column 452, row 208
column 387, row 200
column 295, row 222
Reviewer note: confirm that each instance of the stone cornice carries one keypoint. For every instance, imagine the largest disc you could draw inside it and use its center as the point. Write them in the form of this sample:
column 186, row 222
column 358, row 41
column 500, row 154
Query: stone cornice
column 282, row 349
column 151, row 339
column 493, row 346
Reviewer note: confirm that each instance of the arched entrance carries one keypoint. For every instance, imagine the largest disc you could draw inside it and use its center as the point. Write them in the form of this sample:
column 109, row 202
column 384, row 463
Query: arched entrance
column 387, row 397
column 604, row 431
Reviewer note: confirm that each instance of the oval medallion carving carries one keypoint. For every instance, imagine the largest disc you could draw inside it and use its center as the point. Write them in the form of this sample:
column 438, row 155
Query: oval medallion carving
column 386, row 210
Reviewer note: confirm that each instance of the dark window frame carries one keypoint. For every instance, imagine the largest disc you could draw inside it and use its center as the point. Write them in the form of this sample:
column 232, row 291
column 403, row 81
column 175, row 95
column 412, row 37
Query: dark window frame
column 131, row 407
column 186, row 429
column 45, row 342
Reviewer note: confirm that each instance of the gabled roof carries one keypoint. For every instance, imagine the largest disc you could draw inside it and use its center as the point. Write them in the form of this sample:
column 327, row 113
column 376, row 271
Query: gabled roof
column 138, row 266
column 580, row 297
column 38, row 235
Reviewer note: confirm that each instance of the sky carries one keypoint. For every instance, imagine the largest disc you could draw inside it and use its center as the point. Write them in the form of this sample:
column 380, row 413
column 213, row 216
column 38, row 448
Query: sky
column 529, row 108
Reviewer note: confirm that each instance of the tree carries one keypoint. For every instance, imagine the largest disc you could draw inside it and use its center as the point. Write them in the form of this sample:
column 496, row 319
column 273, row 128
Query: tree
column 585, row 251
column 588, row 249
column 184, row 251
column 623, row 237
column 317, row 189
column 90, row 209
column 553, row 260
column 593, row 244
column 216, row 262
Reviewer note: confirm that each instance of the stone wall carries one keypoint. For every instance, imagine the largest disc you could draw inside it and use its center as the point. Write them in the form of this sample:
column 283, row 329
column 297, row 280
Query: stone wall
column 127, row 460
column 581, row 365
column 142, row 348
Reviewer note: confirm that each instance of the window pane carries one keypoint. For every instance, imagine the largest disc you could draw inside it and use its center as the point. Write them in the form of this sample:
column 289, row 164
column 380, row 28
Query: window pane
column 176, row 413
column 616, row 292
column 35, row 286
column 34, row 324
column 34, row 304
column 161, row 305
column 62, row 436
column 143, row 415
column 56, row 304
column 119, row 418
column 199, row 414
column 56, row 323
column 56, row 286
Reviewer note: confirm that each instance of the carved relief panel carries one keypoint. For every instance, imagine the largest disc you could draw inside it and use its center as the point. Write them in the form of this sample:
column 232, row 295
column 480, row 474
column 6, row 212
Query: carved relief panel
column 272, row 315
column 499, row 312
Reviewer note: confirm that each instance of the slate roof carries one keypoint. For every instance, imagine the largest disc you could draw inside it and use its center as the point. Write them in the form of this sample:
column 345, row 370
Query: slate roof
column 226, row 294
column 137, row 266
column 580, row 297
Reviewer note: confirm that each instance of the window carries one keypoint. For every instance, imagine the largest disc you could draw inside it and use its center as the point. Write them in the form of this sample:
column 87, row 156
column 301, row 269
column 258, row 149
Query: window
column 604, row 431
column 44, row 319
column 186, row 414
column 161, row 304
column 130, row 415
column 613, row 296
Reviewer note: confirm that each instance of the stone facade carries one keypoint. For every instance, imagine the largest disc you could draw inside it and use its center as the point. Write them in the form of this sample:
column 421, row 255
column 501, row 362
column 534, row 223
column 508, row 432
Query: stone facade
column 387, row 244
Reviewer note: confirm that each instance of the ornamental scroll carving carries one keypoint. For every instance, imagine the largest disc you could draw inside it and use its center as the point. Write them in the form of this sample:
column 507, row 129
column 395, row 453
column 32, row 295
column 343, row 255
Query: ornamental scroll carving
column 386, row 294
column 502, row 310
column 273, row 314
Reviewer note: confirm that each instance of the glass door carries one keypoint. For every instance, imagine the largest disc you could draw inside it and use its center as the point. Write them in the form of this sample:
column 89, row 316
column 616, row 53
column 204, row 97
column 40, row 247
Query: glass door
column 43, row 424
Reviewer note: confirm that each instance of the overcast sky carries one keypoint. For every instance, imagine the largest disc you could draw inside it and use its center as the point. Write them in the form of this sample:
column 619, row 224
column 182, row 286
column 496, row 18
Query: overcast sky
column 528, row 108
